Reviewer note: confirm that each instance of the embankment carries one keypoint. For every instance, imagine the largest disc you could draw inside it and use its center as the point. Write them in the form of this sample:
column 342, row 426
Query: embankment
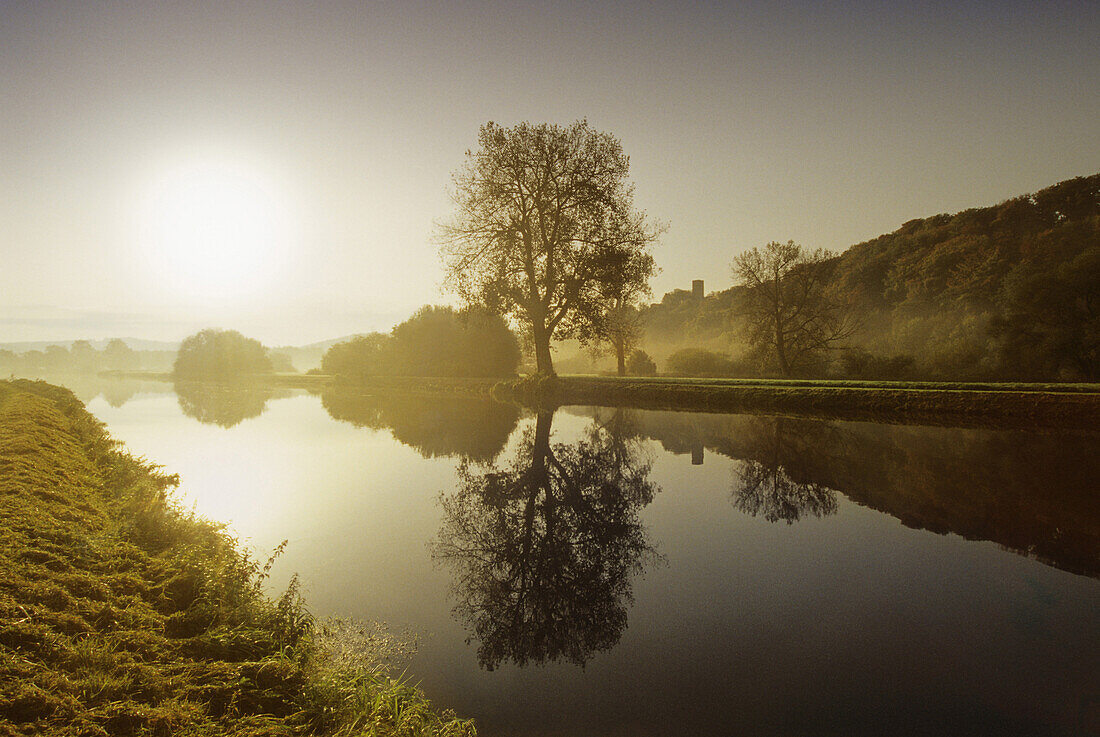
column 120, row 614
column 936, row 404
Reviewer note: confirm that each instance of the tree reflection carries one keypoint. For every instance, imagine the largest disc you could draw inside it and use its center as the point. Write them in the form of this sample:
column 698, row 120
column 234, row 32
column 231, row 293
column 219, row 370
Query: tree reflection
column 471, row 427
column 544, row 551
column 224, row 405
column 764, row 484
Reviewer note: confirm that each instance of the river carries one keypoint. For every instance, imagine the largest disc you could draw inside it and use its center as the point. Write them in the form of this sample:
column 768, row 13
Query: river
column 625, row 572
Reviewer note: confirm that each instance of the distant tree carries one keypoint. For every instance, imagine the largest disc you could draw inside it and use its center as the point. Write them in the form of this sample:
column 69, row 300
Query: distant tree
column 118, row 356
column 438, row 341
column 791, row 315
column 281, row 362
column 640, row 364
column 543, row 214
column 618, row 324
column 57, row 358
column 85, row 357
column 699, row 362
column 8, row 361
column 857, row 363
column 220, row 355
column 360, row 357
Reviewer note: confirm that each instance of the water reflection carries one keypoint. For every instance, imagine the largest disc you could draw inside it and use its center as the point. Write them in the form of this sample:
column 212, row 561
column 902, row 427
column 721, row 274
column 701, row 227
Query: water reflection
column 764, row 485
column 475, row 428
column 848, row 624
column 1032, row 492
column 115, row 391
column 224, row 405
column 544, row 550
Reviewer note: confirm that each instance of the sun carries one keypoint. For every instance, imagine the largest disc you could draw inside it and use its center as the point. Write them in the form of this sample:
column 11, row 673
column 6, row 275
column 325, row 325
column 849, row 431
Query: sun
column 214, row 228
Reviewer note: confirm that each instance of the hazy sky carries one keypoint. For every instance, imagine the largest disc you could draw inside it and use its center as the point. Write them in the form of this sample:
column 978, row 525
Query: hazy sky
column 336, row 127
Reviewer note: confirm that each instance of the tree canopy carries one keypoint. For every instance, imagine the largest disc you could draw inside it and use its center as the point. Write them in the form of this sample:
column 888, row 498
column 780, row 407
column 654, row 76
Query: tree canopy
column 992, row 293
column 792, row 317
column 544, row 224
column 220, row 355
column 436, row 341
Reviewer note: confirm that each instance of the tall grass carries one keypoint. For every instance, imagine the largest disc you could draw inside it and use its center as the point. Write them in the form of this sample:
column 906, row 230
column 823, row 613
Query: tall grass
column 123, row 614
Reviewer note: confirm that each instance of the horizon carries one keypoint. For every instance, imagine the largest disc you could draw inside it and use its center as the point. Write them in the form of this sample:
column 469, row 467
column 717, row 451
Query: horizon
column 318, row 143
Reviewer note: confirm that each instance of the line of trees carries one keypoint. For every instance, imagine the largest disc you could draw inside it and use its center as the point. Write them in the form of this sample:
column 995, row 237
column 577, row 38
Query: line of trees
column 545, row 233
column 1008, row 292
column 82, row 357
column 545, row 238
column 436, row 341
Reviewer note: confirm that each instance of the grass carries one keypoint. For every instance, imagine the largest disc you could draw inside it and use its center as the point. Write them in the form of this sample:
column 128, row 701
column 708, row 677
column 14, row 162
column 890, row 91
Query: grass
column 121, row 614
column 942, row 403
column 1086, row 388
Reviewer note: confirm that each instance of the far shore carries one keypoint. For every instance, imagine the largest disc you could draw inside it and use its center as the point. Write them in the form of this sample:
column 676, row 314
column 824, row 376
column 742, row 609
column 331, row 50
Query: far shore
column 909, row 402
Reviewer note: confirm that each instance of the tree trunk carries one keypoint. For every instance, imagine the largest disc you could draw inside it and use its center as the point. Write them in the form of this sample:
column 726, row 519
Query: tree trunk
column 781, row 353
column 620, row 355
column 544, row 364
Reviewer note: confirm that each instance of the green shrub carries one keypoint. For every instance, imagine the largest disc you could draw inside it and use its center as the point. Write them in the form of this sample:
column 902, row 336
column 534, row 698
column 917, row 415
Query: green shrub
column 640, row 364
column 856, row 363
column 700, row 362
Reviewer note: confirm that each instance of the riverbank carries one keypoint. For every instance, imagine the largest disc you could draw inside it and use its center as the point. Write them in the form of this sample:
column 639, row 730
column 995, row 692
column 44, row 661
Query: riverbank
column 1058, row 405
column 914, row 402
column 318, row 382
column 121, row 614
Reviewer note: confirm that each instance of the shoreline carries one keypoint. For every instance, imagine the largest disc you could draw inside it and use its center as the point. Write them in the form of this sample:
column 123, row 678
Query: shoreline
column 1009, row 406
column 121, row 612
column 1015, row 404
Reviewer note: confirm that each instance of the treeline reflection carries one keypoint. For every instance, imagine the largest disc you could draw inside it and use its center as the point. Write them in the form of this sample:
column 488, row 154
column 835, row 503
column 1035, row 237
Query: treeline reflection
column 544, row 549
column 474, row 428
column 771, row 482
column 116, row 392
column 225, row 405
column 1034, row 493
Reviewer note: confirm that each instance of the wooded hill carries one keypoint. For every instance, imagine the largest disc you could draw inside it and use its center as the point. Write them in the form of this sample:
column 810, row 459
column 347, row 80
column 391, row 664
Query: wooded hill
column 1010, row 291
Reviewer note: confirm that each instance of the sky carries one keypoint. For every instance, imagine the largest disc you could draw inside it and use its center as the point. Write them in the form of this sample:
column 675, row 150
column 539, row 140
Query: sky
column 335, row 128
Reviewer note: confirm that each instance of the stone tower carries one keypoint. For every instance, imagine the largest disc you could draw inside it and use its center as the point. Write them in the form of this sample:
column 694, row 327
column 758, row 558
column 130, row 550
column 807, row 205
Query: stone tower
column 697, row 289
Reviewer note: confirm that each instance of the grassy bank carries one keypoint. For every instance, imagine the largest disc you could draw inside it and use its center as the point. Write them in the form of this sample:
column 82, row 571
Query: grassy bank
column 120, row 614
column 1062, row 405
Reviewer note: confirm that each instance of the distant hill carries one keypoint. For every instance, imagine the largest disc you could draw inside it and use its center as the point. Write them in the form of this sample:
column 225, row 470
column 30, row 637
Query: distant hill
column 1007, row 291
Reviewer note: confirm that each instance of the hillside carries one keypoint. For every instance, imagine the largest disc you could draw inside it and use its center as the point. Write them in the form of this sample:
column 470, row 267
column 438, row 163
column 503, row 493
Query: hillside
column 1010, row 291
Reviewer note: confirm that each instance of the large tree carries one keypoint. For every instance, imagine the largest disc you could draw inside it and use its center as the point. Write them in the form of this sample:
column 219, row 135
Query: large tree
column 792, row 317
column 544, row 213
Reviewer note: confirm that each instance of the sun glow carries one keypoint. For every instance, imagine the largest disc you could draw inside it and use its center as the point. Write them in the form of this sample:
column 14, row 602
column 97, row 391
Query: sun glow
column 215, row 228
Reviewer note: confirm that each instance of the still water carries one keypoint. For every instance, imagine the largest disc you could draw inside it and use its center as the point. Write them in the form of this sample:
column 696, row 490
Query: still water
column 623, row 572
